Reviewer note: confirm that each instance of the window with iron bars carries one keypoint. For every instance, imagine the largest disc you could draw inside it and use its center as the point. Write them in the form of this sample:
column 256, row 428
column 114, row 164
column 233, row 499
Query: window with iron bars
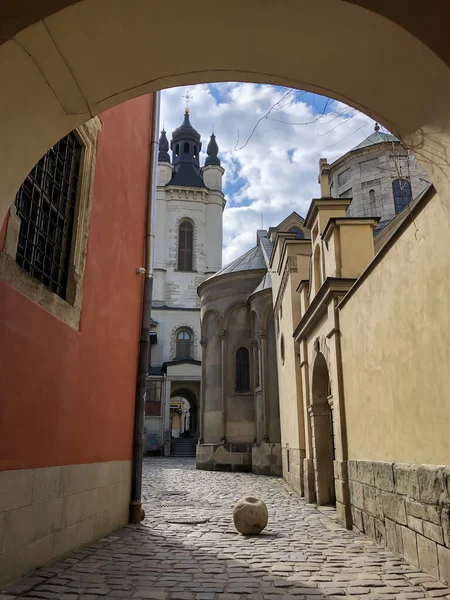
column 45, row 204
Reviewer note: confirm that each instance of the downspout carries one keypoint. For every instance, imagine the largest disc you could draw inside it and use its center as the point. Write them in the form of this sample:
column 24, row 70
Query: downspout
column 136, row 512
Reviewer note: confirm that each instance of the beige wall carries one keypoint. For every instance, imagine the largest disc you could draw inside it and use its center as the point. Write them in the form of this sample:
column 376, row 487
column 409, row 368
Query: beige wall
column 396, row 349
column 45, row 513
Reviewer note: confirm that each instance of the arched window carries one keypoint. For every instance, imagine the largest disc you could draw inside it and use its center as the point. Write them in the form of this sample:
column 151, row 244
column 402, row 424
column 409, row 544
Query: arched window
column 185, row 244
column 299, row 235
column 372, row 196
column 402, row 194
column 195, row 151
column 177, row 150
column 184, row 344
column 242, row 370
column 186, row 148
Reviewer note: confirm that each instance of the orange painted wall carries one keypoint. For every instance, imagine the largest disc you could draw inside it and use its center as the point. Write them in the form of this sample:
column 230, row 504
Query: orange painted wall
column 67, row 397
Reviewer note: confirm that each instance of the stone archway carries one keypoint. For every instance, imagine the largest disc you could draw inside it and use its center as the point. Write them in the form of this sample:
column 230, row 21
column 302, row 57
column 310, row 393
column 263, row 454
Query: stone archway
column 321, row 415
column 187, row 414
column 50, row 83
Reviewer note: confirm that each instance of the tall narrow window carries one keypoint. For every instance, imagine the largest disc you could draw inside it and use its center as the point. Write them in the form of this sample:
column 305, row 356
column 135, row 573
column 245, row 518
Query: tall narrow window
column 45, row 204
column 185, row 243
column 186, row 148
column 177, row 150
column 242, row 370
column 184, row 343
column 372, row 196
column 402, row 194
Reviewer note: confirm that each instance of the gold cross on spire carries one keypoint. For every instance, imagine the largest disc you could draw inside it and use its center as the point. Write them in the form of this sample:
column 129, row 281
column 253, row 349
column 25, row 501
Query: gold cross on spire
column 187, row 97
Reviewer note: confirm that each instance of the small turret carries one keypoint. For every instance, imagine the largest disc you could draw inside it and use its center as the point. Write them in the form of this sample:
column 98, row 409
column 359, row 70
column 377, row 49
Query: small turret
column 212, row 171
column 212, row 151
column 163, row 154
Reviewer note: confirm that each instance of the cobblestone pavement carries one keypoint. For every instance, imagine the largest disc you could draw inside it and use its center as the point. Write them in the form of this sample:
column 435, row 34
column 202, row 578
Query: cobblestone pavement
column 302, row 554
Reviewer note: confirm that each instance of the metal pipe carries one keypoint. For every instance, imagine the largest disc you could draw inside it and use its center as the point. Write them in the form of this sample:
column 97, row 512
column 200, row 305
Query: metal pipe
column 136, row 512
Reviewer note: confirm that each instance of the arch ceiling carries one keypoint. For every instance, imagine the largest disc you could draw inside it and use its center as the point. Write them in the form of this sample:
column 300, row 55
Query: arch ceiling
column 391, row 61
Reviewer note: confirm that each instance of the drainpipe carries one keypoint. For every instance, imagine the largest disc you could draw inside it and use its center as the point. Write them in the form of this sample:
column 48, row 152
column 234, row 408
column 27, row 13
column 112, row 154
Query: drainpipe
column 136, row 512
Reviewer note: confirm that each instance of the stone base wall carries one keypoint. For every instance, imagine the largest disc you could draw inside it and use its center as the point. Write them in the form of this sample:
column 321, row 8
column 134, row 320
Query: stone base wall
column 292, row 460
column 342, row 491
column 405, row 507
column 266, row 459
column 47, row 512
column 224, row 457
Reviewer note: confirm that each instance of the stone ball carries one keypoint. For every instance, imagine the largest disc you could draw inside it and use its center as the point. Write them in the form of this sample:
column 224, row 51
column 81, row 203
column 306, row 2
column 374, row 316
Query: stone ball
column 250, row 516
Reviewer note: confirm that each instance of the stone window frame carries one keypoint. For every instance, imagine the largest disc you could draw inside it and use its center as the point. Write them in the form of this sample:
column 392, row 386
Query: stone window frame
column 69, row 310
column 173, row 340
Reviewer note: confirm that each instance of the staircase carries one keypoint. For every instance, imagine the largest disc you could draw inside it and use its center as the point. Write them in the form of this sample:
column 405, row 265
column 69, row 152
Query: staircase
column 183, row 447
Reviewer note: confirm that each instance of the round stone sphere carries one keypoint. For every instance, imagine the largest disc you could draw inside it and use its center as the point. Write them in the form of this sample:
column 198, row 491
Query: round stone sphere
column 250, row 516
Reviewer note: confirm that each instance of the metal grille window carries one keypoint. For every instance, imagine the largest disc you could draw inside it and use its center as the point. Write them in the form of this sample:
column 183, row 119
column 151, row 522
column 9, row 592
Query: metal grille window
column 184, row 344
column 402, row 194
column 185, row 243
column 242, row 370
column 153, row 398
column 45, row 204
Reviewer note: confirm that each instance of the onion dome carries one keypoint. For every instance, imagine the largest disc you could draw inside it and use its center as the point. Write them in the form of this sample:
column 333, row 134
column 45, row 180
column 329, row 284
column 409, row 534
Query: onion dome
column 163, row 154
column 212, row 151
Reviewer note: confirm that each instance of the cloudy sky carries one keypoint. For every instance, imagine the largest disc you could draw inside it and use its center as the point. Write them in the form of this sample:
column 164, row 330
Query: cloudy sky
column 272, row 169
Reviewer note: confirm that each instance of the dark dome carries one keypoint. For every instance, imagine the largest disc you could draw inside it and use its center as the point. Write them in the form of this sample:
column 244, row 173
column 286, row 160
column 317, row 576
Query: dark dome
column 163, row 154
column 212, row 151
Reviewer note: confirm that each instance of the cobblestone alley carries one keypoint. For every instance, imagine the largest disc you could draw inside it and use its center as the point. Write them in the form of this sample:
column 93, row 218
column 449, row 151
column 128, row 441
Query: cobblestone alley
column 187, row 548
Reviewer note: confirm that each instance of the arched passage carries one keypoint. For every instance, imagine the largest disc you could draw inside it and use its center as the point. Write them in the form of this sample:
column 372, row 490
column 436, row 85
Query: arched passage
column 50, row 70
column 321, row 414
column 184, row 412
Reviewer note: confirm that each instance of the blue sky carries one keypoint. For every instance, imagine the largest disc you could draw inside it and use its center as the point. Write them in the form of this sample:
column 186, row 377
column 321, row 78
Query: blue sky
column 273, row 170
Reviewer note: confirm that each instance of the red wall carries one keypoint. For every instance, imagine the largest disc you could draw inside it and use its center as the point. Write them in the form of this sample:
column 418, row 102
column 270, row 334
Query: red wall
column 67, row 397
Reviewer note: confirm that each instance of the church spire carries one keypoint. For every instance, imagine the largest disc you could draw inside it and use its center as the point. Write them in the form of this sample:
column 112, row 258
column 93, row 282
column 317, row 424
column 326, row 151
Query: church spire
column 212, row 151
column 163, row 154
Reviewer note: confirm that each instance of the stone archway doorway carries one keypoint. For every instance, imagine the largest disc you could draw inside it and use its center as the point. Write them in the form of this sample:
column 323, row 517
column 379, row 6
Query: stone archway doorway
column 184, row 423
column 321, row 415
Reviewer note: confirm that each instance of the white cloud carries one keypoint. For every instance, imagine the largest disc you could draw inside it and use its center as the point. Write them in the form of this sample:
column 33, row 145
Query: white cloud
column 276, row 171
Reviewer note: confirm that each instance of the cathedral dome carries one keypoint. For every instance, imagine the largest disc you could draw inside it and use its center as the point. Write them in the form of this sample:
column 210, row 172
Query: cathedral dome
column 253, row 260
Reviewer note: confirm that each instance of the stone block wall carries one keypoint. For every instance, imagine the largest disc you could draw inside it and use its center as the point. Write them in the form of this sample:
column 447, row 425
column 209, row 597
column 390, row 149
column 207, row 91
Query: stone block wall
column 48, row 512
column 266, row 459
column 224, row 457
column 405, row 507
column 292, row 461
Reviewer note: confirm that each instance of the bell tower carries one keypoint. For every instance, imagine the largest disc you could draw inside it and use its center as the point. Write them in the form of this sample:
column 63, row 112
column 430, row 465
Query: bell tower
column 188, row 225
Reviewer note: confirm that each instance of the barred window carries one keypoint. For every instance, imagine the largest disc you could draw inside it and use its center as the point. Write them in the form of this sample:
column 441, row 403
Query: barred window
column 402, row 194
column 184, row 343
column 242, row 370
column 45, row 204
column 185, row 243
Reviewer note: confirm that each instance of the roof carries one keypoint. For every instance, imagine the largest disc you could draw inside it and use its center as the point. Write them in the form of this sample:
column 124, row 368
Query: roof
column 264, row 284
column 378, row 137
column 186, row 174
column 253, row 260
